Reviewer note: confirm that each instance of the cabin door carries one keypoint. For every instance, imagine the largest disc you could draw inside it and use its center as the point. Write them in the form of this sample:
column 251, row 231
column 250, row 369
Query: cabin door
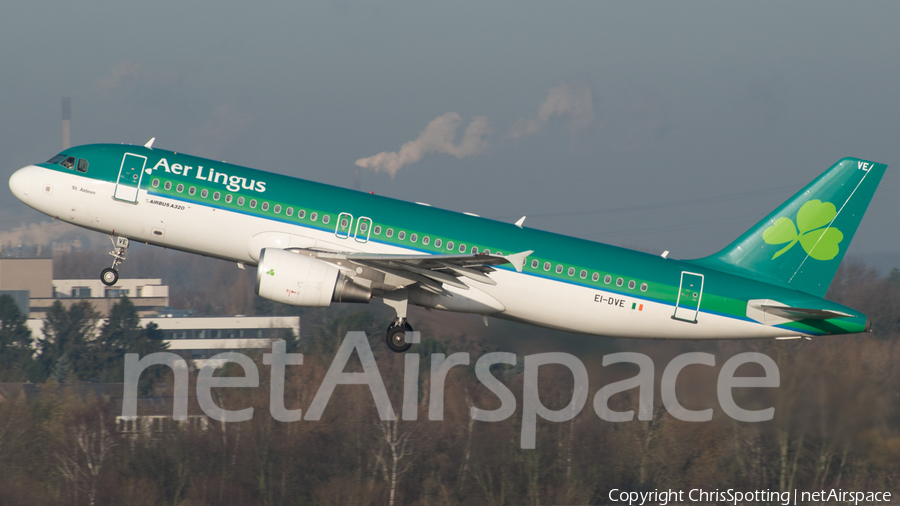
column 690, row 291
column 130, row 174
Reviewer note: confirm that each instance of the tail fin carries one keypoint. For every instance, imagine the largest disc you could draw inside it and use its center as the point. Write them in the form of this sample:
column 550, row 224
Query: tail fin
column 800, row 245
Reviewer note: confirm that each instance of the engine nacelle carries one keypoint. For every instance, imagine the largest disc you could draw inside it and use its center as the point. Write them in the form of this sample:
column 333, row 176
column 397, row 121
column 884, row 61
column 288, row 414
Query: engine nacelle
column 300, row 280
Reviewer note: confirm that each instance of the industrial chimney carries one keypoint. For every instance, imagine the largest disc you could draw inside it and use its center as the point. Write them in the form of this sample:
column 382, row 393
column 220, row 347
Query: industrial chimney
column 66, row 119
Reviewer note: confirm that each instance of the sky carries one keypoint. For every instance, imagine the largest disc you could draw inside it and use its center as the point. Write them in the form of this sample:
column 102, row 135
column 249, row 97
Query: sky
column 657, row 126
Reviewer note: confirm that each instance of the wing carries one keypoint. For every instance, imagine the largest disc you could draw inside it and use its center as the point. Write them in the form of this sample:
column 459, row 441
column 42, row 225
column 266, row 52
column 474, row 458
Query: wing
column 431, row 272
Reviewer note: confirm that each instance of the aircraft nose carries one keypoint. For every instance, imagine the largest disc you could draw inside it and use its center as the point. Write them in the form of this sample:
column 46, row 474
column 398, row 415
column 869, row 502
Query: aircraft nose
column 20, row 182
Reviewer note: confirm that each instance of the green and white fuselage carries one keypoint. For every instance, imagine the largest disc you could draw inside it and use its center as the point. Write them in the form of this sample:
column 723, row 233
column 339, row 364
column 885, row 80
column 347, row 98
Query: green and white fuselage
column 769, row 283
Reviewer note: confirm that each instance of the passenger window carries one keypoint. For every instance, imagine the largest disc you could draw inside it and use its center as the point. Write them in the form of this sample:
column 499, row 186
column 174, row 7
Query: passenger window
column 192, row 190
column 643, row 287
column 252, row 203
column 474, row 250
column 326, row 219
column 449, row 244
column 620, row 281
column 82, row 165
column 277, row 208
column 559, row 269
column 313, row 216
column 534, row 264
column 377, row 230
column 607, row 279
column 204, row 193
column 437, row 243
column 412, row 238
column 595, row 277
column 390, row 232
column 546, row 266
column 462, row 248
column 401, row 235
column 217, row 196
column 631, row 285
column 571, row 271
column 228, row 198
column 179, row 188
column 168, row 185
column 426, row 240
column 583, row 274
column 265, row 206
column 240, row 200
column 290, row 211
column 301, row 214
column 155, row 183
column 68, row 163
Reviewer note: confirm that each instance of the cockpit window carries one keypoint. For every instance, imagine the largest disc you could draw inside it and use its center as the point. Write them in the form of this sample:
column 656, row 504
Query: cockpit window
column 82, row 165
column 69, row 162
column 56, row 159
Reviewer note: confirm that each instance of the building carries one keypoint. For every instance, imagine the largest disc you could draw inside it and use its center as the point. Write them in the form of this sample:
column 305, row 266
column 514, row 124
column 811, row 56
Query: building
column 205, row 336
column 35, row 276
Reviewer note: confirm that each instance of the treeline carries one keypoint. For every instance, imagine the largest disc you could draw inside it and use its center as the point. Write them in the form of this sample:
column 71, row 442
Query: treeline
column 71, row 348
column 836, row 425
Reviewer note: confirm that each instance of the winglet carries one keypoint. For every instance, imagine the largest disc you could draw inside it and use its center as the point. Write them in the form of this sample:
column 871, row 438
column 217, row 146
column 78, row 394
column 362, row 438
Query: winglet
column 518, row 259
column 520, row 222
column 149, row 144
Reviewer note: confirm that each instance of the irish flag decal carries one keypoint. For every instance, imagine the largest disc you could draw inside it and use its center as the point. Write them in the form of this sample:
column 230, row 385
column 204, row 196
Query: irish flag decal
column 635, row 305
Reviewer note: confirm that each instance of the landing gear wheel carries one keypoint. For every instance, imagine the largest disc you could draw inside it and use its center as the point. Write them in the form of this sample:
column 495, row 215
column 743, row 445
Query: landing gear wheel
column 109, row 276
column 396, row 338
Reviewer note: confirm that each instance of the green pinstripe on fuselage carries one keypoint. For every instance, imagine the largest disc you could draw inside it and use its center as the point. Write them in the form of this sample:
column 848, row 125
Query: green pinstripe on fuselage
column 724, row 294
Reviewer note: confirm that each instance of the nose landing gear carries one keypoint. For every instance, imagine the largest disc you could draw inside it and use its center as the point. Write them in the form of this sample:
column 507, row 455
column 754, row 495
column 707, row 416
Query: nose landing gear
column 110, row 275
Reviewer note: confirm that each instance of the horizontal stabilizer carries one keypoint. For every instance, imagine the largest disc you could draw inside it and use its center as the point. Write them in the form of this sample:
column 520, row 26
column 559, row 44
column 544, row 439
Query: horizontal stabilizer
column 803, row 313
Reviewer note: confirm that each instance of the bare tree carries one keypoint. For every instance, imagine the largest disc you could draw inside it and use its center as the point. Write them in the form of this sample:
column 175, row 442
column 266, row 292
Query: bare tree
column 398, row 443
column 86, row 447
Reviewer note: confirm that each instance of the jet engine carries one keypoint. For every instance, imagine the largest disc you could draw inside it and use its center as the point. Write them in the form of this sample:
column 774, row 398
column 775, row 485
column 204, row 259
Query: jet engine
column 300, row 280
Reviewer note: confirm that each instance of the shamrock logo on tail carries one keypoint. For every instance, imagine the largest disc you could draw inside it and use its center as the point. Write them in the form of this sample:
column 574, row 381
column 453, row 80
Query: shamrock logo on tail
column 812, row 231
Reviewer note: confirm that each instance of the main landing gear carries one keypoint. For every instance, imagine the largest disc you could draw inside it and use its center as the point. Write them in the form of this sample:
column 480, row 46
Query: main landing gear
column 399, row 335
column 396, row 335
column 110, row 275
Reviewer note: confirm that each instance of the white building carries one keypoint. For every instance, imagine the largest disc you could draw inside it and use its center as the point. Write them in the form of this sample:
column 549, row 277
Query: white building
column 205, row 336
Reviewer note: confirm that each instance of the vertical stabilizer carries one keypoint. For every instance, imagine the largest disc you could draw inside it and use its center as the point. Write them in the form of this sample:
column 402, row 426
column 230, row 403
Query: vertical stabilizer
column 801, row 244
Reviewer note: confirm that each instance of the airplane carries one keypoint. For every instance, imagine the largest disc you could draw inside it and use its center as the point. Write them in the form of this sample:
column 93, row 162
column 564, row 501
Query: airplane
column 314, row 244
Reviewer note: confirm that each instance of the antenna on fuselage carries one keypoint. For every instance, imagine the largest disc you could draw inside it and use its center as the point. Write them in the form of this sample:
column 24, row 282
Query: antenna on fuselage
column 149, row 144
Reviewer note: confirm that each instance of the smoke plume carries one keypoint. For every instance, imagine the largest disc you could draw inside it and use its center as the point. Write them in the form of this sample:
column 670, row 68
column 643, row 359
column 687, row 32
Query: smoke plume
column 438, row 137
column 42, row 233
column 574, row 101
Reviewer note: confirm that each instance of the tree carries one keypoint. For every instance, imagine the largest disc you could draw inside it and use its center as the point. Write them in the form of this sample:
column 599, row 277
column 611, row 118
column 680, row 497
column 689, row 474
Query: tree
column 120, row 334
column 15, row 341
column 65, row 347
